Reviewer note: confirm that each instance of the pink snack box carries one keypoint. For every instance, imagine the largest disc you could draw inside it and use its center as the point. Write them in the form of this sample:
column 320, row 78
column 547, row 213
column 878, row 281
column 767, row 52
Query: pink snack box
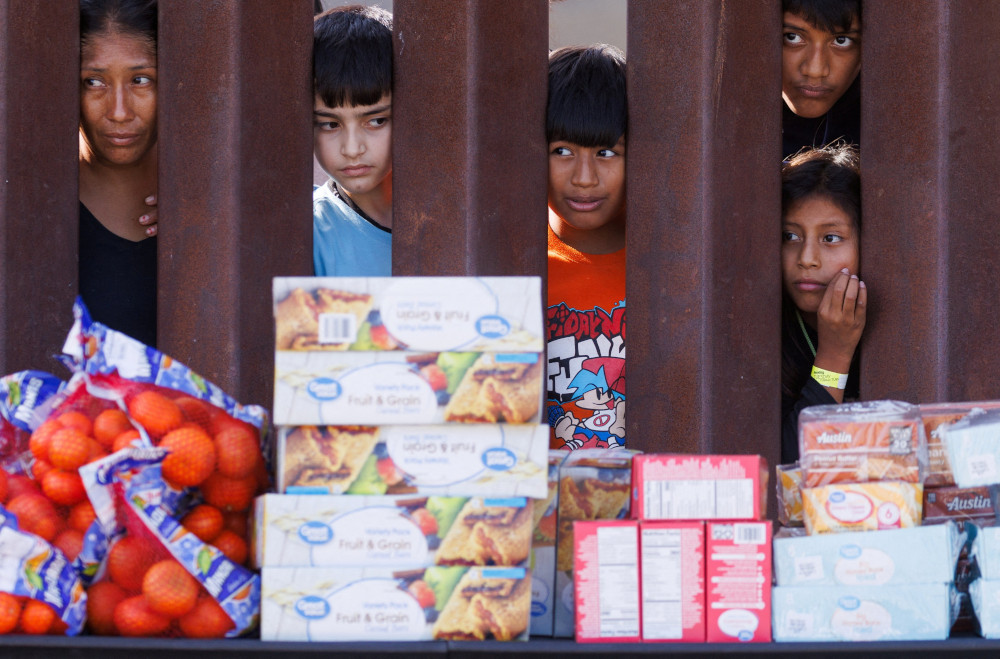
column 699, row 487
column 606, row 574
column 738, row 581
column 672, row 566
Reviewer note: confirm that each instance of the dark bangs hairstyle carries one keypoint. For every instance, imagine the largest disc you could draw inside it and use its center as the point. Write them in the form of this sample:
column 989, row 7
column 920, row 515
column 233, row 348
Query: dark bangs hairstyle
column 136, row 18
column 587, row 104
column 352, row 55
column 829, row 15
column 832, row 172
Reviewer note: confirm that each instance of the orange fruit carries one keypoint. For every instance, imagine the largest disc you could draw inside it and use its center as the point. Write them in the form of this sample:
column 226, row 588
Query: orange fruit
column 125, row 439
column 157, row 413
column 39, row 468
column 96, row 451
column 70, row 542
column 191, row 458
column 169, row 589
column 102, row 598
column 3, row 485
column 39, row 442
column 236, row 521
column 232, row 545
column 134, row 617
column 19, row 484
column 128, row 561
column 206, row 620
column 37, row 617
column 81, row 516
column 204, row 521
column 229, row 493
column 36, row 514
column 64, row 488
column 69, row 449
column 196, row 411
column 108, row 425
column 77, row 420
column 238, row 451
column 10, row 612
column 222, row 421
column 58, row 627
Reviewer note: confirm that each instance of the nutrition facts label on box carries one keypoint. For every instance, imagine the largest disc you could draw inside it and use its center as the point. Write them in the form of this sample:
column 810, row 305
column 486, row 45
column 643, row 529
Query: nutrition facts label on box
column 606, row 576
column 672, row 569
column 699, row 499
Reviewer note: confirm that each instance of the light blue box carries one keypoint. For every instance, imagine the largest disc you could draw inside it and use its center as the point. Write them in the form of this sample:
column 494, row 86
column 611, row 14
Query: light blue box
column 986, row 550
column 985, row 595
column 914, row 612
column 925, row 554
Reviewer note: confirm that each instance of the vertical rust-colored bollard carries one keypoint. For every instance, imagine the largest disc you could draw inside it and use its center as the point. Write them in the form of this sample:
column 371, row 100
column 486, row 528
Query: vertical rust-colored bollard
column 39, row 217
column 931, row 194
column 235, row 144
column 469, row 151
column 703, row 227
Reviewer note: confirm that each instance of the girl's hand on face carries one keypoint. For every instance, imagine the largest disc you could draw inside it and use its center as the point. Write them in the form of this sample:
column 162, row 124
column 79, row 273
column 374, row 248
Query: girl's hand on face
column 840, row 321
column 150, row 219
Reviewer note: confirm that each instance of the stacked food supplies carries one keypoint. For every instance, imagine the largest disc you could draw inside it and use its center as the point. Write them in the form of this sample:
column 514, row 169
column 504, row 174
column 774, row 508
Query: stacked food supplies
column 409, row 456
column 867, row 569
column 972, row 446
column 692, row 565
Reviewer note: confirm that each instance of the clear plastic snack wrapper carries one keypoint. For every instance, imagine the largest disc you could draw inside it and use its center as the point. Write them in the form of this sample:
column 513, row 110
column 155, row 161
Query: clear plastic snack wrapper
column 447, row 603
column 934, row 416
column 862, row 442
column 862, row 506
column 47, row 589
column 789, row 483
column 484, row 460
column 973, row 446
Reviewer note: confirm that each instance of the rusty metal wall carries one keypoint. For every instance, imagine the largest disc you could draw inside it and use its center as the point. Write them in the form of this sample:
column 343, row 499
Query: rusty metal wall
column 469, row 152
column 703, row 227
column 931, row 193
column 39, row 115
column 235, row 181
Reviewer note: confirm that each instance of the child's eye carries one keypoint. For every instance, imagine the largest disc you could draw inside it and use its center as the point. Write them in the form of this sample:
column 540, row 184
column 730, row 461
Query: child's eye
column 142, row 80
column 326, row 125
column 843, row 41
column 378, row 122
column 92, row 82
column 793, row 38
column 832, row 238
column 561, row 151
column 788, row 236
column 606, row 153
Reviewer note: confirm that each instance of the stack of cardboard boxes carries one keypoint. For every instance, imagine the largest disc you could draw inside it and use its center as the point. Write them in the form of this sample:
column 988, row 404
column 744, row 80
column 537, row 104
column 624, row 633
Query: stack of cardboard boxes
column 692, row 565
column 409, row 455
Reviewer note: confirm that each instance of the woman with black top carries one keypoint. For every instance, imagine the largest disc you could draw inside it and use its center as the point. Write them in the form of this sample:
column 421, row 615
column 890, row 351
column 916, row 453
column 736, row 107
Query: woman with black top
column 117, row 261
column 824, row 302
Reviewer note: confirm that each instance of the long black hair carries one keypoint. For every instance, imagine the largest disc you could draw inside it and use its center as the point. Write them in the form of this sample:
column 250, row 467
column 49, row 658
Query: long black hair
column 831, row 172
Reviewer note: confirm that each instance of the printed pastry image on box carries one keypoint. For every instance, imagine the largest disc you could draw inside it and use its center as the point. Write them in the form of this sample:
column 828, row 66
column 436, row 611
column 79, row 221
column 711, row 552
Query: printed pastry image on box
column 863, row 613
column 485, row 460
column 392, row 531
column 398, row 350
column 606, row 575
column 383, row 604
column 543, row 551
column 925, row 554
column 679, row 487
column 593, row 484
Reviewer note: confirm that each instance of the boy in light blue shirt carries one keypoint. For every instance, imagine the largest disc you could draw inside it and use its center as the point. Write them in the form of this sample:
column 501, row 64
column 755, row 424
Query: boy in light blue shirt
column 352, row 137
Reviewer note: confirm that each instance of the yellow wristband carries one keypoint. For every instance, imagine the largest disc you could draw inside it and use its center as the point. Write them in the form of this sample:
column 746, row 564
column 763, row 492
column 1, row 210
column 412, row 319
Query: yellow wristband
column 829, row 378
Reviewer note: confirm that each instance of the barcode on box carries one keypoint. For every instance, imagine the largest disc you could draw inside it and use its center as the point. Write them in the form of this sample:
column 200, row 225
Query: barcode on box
column 749, row 534
column 338, row 328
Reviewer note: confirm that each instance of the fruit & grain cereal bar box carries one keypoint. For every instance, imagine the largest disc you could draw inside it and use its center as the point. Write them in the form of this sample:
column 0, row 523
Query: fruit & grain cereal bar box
column 394, row 531
column 408, row 350
column 496, row 460
column 447, row 603
column 543, row 551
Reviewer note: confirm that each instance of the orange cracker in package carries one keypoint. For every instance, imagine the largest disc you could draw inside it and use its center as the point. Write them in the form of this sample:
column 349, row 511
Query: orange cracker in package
column 789, row 495
column 862, row 506
column 862, row 442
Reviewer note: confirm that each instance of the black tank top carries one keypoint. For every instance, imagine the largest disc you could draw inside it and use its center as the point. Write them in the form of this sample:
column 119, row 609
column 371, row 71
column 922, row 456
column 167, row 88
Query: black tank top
column 118, row 279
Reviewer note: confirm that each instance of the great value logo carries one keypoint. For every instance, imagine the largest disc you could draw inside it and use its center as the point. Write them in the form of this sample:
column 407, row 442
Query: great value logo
column 324, row 389
column 312, row 607
column 315, row 533
column 499, row 459
column 493, row 327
